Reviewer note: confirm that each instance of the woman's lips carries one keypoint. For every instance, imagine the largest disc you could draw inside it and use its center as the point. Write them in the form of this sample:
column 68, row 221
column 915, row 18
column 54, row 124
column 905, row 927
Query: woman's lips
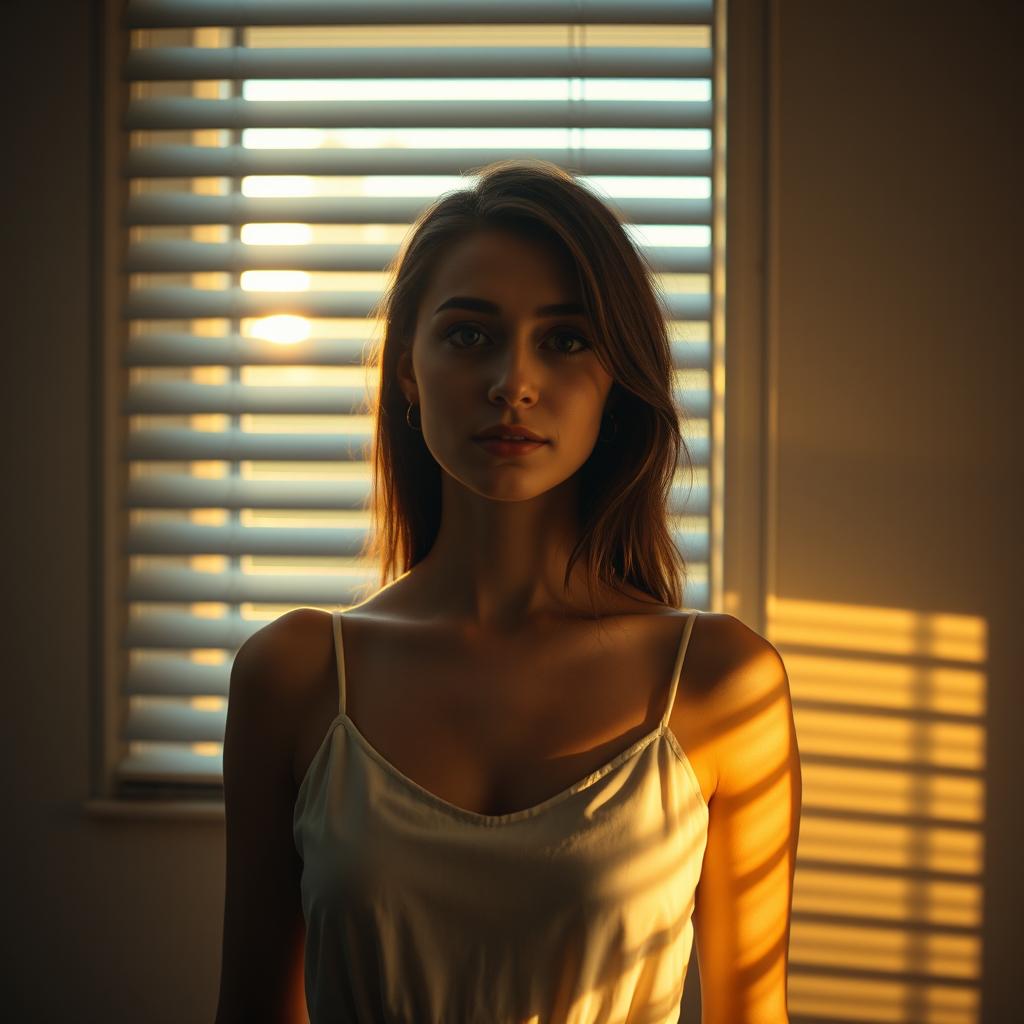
column 499, row 446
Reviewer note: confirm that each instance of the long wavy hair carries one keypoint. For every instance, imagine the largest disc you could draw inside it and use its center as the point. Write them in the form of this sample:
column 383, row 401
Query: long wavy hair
column 624, row 485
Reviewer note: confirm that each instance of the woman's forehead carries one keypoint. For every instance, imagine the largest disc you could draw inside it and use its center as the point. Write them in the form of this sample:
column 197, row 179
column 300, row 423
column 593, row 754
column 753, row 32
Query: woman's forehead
column 501, row 273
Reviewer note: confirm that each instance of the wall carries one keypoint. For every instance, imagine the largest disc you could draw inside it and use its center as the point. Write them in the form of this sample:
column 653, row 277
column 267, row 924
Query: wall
column 892, row 485
column 893, row 512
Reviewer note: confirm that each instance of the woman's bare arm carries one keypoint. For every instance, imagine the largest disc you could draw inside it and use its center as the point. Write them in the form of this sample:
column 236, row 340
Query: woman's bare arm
column 744, row 897
column 264, row 933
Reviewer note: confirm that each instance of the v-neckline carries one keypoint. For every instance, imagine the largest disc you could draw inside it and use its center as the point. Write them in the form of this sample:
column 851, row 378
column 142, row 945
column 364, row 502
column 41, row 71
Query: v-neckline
column 496, row 819
column 477, row 817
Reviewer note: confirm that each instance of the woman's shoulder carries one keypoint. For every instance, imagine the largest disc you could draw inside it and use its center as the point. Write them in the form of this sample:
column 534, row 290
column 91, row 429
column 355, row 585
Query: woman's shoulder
column 726, row 650
column 284, row 660
column 735, row 696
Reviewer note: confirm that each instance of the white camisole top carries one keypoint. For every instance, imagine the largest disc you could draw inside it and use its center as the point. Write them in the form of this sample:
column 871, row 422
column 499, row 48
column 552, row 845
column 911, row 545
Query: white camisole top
column 573, row 911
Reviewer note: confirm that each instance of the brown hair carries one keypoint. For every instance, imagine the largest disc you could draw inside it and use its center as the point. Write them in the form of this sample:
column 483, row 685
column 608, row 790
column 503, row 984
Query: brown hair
column 624, row 485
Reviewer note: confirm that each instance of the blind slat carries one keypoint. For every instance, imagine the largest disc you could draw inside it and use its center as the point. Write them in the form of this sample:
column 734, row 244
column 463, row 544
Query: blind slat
column 184, row 398
column 308, row 542
column 170, row 676
column 173, row 584
column 188, row 13
column 169, row 538
column 186, row 492
column 184, row 303
column 171, row 161
column 174, row 722
column 169, row 765
column 181, row 444
column 187, row 538
column 438, row 62
column 176, row 113
column 174, row 349
column 179, row 491
column 172, row 208
column 177, row 255
column 171, row 349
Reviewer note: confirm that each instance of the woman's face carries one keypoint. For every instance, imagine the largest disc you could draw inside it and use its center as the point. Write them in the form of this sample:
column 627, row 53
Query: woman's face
column 472, row 367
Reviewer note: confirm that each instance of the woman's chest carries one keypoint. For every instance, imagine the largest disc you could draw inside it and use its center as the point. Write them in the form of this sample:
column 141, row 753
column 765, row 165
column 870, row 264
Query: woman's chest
column 501, row 726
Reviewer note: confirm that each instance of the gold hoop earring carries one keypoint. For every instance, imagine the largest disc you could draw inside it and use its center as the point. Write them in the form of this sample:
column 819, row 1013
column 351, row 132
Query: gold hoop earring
column 410, row 422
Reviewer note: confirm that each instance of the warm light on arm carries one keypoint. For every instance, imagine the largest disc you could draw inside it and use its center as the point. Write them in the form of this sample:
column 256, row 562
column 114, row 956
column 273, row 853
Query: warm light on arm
column 744, row 897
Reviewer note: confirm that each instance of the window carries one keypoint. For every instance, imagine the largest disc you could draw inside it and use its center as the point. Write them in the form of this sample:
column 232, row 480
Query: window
column 274, row 158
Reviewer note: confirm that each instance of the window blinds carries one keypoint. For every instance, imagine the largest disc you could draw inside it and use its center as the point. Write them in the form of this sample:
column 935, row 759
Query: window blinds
column 275, row 154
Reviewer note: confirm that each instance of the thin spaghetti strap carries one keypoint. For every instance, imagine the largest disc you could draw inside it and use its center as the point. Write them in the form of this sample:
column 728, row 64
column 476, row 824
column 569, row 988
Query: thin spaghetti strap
column 339, row 658
column 677, row 671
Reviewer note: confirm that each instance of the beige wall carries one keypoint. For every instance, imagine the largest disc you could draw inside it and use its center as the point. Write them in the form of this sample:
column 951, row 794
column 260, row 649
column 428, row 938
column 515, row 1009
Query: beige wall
column 894, row 284
column 891, row 489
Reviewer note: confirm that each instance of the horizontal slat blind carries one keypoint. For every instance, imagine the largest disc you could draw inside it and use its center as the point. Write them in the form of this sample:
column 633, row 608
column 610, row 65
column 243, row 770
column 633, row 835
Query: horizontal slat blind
column 277, row 154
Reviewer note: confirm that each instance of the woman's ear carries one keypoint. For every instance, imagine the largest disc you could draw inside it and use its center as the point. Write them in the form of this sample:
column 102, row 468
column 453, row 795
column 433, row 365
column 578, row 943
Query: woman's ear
column 406, row 380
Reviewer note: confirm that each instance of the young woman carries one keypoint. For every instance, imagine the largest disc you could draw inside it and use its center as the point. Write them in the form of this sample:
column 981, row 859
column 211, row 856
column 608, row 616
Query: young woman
column 518, row 781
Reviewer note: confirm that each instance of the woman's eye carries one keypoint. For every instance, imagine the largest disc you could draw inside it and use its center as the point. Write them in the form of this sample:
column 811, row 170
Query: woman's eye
column 559, row 335
column 574, row 337
column 461, row 329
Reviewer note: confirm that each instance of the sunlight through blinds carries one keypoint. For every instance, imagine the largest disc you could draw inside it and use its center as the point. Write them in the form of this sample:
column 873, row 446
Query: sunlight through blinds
column 275, row 156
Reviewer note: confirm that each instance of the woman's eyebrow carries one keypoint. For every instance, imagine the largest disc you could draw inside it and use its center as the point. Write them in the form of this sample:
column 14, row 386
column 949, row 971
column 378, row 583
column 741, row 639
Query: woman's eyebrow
column 484, row 306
